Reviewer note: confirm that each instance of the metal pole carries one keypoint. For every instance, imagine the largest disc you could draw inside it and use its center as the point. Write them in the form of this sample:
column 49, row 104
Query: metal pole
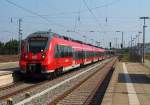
column 20, row 36
column 131, row 41
column 131, row 50
column 122, row 40
column 139, row 38
column 122, row 43
column 114, row 42
column 143, row 41
column 143, row 52
column 117, row 43
column 139, row 42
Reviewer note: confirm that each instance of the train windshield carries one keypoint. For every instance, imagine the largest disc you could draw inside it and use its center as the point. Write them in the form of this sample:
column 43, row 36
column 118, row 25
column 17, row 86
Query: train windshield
column 37, row 44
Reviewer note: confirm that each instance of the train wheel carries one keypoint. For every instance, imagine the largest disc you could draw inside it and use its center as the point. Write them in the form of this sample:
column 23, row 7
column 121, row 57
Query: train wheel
column 54, row 74
column 59, row 71
column 49, row 76
column 81, row 65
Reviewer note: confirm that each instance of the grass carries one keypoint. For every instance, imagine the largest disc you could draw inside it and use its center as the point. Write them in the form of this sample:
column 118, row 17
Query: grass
column 125, row 57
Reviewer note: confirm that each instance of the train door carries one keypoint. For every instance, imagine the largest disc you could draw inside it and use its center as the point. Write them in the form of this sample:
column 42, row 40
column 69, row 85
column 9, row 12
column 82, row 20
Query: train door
column 57, row 56
column 73, row 57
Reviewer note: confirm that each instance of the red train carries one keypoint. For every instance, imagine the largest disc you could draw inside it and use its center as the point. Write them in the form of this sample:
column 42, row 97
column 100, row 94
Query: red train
column 49, row 53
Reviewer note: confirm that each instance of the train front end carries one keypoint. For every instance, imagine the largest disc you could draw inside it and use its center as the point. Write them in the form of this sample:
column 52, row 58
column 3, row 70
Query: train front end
column 34, row 53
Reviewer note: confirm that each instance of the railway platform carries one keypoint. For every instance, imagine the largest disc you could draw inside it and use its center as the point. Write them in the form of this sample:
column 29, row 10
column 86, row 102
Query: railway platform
column 7, row 73
column 8, row 65
column 129, row 85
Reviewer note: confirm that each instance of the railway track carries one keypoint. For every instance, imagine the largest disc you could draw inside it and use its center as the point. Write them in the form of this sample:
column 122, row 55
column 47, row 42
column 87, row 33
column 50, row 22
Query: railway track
column 20, row 90
column 51, row 93
column 85, row 91
column 17, row 93
column 3, row 88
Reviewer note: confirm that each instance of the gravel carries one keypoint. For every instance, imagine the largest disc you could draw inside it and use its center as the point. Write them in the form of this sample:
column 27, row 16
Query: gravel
column 46, row 98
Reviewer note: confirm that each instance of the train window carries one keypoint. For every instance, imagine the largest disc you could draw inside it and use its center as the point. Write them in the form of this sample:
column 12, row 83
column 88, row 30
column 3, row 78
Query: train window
column 83, row 54
column 74, row 54
column 57, row 53
column 60, row 51
column 78, row 55
column 87, row 54
column 37, row 44
column 63, row 51
column 69, row 51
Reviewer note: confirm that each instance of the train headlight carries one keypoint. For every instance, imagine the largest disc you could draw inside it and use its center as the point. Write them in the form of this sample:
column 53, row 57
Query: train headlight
column 43, row 56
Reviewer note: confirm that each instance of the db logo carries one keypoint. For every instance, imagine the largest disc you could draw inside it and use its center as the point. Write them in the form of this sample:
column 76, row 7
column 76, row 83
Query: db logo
column 66, row 60
column 34, row 57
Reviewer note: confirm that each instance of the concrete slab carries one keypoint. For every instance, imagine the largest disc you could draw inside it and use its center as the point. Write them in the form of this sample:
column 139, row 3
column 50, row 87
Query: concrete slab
column 7, row 73
column 6, row 79
column 120, row 91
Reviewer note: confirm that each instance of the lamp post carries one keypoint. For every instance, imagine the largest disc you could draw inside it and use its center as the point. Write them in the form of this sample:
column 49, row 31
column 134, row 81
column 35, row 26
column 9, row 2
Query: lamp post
column 122, row 38
column 19, row 36
column 144, row 26
column 138, row 36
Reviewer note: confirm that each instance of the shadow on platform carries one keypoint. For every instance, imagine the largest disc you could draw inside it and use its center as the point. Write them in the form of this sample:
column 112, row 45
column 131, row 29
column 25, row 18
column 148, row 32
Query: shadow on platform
column 135, row 78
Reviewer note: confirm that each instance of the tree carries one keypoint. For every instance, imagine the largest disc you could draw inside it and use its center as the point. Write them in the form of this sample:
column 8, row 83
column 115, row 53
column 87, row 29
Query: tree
column 1, row 47
column 10, row 47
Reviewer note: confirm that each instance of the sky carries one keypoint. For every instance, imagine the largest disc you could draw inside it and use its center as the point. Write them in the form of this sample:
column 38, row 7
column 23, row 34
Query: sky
column 97, row 20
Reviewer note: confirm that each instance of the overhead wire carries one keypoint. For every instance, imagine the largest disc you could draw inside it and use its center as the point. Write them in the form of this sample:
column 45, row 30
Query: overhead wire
column 34, row 13
column 77, row 19
column 82, row 11
column 94, row 16
column 86, row 10
column 49, row 7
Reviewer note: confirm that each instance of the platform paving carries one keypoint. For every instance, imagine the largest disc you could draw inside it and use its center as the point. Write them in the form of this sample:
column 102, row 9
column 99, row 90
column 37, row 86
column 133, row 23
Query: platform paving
column 130, row 85
column 7, row 73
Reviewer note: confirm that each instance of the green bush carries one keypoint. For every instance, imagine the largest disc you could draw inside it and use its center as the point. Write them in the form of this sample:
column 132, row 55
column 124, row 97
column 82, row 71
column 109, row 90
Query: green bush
column 9, row 48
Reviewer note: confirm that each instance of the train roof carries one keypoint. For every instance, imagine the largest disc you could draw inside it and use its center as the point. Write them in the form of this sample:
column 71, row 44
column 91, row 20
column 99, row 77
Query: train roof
column 52, row 34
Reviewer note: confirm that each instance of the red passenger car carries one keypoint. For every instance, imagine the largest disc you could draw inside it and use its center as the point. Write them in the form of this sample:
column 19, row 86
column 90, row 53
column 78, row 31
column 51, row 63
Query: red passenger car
column 49, row 53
